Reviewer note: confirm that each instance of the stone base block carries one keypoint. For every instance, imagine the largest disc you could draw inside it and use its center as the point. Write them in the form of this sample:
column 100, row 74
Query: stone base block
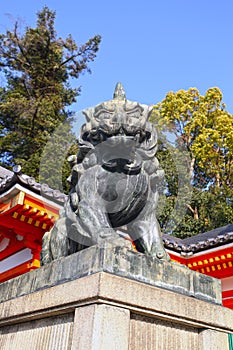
column 104, row 311
column 119, row 261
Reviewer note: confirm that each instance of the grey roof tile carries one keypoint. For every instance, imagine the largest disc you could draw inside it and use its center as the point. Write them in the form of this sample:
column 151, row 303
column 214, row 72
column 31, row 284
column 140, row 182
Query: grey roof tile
column 5, row 173
column 8, row 179
column 201, row 242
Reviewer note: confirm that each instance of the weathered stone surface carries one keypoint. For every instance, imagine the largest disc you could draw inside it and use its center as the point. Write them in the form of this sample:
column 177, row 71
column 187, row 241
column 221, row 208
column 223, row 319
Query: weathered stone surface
column 119, row 261
column 210, row 339
column 156, row 334
column 101, row 327
column 112, row 290
column 105, row 311
column 49, row 333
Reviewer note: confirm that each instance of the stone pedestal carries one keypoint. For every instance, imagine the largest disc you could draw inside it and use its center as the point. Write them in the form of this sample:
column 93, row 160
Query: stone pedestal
column 91, row 301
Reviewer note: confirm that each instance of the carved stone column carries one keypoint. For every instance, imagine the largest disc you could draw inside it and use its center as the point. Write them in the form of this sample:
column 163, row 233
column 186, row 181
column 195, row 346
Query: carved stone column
column 101, row 326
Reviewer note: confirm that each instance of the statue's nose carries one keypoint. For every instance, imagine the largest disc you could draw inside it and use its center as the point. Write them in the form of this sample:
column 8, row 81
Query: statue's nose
column 116, row 118
column 119, row 116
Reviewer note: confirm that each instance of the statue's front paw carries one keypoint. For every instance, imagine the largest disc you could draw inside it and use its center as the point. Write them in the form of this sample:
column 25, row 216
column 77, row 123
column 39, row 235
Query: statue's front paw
column 162, row 255
column 109, row 236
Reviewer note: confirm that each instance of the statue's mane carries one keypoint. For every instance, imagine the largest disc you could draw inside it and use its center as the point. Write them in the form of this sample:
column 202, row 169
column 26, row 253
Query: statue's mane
column 118, row 116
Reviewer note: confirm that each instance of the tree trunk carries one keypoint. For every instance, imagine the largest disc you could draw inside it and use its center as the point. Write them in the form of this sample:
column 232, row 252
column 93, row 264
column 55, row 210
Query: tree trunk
column 193, row 211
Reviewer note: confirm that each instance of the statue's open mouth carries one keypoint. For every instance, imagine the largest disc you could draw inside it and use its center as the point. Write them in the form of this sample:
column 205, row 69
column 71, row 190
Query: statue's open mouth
column 119, row 154
column 123, row 166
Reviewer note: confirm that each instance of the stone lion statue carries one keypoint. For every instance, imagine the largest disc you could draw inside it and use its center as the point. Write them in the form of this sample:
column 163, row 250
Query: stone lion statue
column 113, row 183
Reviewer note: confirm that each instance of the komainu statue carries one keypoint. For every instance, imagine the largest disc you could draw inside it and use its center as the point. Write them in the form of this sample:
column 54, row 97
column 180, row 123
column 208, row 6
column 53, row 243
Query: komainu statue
column 113, row 183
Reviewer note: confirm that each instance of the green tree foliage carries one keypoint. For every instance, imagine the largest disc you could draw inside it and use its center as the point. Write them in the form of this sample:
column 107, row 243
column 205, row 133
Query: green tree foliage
column 54, row 167
column 37, row 66
column 203, row 127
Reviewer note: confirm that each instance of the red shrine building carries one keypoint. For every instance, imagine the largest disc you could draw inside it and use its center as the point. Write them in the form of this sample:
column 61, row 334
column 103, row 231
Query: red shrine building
column 29, row 209
column 210, row 253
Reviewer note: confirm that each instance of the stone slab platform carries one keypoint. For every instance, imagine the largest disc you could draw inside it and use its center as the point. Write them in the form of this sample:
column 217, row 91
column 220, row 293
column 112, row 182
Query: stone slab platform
column 119, row 261
column 103, row 311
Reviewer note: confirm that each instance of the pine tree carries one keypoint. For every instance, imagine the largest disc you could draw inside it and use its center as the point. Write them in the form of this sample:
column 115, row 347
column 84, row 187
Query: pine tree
column 37, row 66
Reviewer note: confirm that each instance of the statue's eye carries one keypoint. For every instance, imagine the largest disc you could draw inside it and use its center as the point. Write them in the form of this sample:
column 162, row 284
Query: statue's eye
column 130, row 115
column 105, row 115
column 135, row 114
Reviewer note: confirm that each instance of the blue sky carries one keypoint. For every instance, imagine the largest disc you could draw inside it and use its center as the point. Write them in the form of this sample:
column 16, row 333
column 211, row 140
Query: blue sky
column 151, row 46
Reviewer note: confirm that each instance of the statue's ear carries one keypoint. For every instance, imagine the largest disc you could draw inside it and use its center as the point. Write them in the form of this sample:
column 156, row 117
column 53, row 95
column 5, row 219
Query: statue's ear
column 149, row 111
column 148, row 147
column 89, row 114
